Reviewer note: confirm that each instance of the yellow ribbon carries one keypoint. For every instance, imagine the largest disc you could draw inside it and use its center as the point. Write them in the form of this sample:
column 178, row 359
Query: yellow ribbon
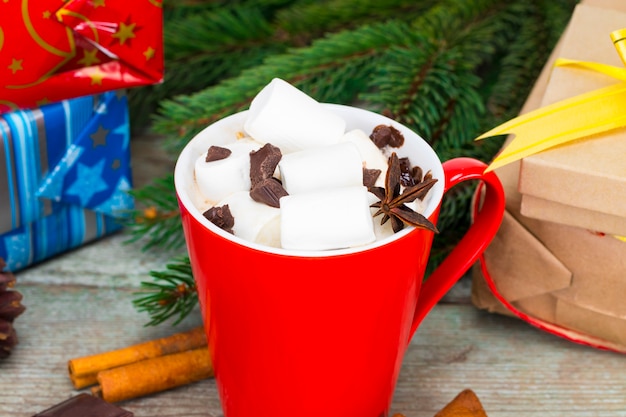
column 584, row 115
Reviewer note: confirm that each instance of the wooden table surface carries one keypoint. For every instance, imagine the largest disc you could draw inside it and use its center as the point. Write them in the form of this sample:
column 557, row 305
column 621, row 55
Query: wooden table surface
column 80, row 303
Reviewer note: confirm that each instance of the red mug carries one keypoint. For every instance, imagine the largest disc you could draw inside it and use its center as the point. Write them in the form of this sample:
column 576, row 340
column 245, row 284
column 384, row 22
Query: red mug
column 322, row 333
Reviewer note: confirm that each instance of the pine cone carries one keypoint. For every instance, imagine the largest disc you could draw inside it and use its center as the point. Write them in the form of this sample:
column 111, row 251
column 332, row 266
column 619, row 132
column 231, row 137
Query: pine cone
column 10, row 308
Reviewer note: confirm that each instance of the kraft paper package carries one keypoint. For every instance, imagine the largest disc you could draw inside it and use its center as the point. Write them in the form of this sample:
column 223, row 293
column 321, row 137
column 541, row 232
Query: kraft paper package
column 565, row 277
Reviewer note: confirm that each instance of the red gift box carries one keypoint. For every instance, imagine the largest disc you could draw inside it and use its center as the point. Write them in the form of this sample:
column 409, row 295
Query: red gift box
column 51, row 50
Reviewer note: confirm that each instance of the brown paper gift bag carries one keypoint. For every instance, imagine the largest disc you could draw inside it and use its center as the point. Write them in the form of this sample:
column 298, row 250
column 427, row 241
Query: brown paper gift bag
column 566, row 280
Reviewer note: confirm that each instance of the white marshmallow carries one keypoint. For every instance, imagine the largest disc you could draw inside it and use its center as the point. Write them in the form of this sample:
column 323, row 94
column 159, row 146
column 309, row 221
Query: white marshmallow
column 217, row 179
column 255, row 222
column 313, row 169
column 288, row 118
column 372, row 157
column 329, row 219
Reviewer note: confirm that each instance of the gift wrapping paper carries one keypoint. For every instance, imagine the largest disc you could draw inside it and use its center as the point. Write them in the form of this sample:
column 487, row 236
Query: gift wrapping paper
column 52, row 50
column 64, row 176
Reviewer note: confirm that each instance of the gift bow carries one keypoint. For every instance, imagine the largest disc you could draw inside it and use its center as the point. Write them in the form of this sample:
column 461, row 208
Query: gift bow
column 587, row 114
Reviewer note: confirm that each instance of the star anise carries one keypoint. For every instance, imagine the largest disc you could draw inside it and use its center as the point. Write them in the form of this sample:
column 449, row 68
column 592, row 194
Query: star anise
column 392, row 200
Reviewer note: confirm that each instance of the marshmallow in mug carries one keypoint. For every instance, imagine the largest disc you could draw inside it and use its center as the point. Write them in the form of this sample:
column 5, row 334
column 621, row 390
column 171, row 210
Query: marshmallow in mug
column 373, row 157
column 321, row 168
column 333, row 218
column 256, row 222
column 218, row 179
column 286, row 117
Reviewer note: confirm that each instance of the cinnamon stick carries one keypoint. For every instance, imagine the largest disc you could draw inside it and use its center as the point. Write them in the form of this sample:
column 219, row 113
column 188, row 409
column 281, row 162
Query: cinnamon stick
column 83, row 371
column 153, row 375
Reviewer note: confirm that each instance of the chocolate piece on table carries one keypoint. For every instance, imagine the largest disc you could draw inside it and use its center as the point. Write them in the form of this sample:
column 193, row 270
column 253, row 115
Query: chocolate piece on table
column 84, row 405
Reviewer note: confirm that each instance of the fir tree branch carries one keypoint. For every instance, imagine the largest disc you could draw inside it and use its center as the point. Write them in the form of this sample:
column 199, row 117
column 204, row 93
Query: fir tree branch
column 307, row 68
column 318, row 18
column 157, row 224
column 171, row 293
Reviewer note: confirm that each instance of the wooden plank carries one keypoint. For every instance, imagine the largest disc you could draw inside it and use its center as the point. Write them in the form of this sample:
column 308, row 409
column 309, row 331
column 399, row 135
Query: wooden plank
column 109, row 262
column 515, row 369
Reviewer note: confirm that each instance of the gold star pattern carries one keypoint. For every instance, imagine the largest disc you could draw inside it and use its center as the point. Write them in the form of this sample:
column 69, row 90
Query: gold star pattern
column 16, row 65
column 149, row 53
column 96, row 76
column 47, row 14
column 98, row 3
column 89, row 58
column 99, row 138
column 125, row 32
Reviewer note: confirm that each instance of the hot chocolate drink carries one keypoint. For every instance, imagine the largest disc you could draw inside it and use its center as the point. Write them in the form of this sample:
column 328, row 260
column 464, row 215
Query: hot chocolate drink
column 295, row 177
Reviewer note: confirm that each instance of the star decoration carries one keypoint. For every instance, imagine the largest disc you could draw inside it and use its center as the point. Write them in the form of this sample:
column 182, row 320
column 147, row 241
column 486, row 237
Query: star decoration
column 125, row 32
column 89, row 57
column 119, row 202
column 88, row 182
column 96, row 76
column 47, row 14
column 98, row 3
column 16, row 65
column 99, row 138
column 149, row 53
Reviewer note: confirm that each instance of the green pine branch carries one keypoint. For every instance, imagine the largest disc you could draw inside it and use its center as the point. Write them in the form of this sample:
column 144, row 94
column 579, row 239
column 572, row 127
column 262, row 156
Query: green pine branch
column 171, row 294
column 157, row 222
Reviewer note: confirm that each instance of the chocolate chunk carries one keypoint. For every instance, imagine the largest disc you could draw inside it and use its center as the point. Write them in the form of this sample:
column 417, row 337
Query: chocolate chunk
column 268, row 191
column 263, row 163
column 221, row 217
column 370, row 176
column 384, row 135
column 215, row 153
column 85, row 405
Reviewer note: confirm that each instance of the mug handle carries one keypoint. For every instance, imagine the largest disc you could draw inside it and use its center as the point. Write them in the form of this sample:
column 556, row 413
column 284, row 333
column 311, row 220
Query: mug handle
column 484, row 227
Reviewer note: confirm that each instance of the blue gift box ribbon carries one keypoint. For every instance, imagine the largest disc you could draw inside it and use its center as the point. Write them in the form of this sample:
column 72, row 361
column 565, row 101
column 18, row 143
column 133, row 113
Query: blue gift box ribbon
column 65, row 178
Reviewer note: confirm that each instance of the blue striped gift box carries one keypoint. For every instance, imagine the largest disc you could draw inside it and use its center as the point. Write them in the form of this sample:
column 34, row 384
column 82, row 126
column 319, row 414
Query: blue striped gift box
column 64, row 176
